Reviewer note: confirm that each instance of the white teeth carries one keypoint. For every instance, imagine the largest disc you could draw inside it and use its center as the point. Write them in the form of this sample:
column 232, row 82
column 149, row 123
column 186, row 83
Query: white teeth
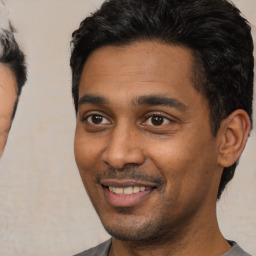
column 127, row 190
column 119, row 191
column 136, row 189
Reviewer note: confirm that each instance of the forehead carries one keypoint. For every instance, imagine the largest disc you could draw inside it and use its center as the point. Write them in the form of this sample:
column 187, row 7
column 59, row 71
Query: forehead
column 8, row 84
column 139, row 61
column 140, row 68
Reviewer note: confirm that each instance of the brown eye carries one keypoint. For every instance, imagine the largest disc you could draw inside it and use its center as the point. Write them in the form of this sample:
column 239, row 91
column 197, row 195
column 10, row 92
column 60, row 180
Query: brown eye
column 157, row 120
column 97, row 119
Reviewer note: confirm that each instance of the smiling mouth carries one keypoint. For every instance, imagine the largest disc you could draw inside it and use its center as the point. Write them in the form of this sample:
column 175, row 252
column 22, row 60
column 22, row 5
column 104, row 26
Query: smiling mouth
column 126, row 193
column 127, row 190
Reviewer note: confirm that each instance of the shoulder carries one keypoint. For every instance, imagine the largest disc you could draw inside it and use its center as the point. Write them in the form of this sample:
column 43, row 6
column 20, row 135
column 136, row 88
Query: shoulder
column 236, row 250
column 99, row 250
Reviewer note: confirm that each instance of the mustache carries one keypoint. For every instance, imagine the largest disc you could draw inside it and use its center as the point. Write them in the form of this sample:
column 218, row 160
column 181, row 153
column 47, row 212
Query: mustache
column 129, row 173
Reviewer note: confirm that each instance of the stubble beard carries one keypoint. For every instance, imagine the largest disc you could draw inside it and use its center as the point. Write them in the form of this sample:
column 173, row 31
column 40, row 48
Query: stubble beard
column 142, row 232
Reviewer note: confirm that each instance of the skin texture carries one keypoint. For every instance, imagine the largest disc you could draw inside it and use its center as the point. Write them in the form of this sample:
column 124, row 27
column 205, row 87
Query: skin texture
column 8, row 97
column 141, row 122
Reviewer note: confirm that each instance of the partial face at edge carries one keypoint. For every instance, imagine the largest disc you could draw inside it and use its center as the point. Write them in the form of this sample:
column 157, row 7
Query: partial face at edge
column 144, row 131
column 8, row 97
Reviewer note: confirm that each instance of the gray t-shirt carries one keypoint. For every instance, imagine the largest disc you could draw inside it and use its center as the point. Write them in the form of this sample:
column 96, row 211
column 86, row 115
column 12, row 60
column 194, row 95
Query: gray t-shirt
column 103, row 250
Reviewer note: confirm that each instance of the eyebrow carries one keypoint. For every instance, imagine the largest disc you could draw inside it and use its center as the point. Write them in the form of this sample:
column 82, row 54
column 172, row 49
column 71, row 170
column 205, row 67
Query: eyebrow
column 93, row 99
column 149, row 100
column 160, row 100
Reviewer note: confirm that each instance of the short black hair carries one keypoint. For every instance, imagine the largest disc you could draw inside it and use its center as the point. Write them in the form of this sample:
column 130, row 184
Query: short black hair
column 13, row 57
column 216, row 32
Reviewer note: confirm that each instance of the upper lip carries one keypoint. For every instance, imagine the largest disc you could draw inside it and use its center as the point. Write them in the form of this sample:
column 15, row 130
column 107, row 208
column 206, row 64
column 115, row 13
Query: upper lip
column 122, row 183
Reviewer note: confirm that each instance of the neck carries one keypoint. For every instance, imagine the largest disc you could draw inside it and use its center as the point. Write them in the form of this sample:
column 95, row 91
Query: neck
column 200, row 240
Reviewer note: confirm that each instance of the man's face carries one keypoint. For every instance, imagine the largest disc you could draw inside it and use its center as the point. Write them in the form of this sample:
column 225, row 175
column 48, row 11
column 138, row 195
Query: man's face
column 8, row 96
column 143, row 143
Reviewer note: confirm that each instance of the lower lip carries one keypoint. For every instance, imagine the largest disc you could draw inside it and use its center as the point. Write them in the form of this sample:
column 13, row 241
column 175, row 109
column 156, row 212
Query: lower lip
column 125, row 200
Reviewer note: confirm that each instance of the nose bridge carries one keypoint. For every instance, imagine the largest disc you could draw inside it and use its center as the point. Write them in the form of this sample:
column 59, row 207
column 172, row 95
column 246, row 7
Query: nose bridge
column 124, row 146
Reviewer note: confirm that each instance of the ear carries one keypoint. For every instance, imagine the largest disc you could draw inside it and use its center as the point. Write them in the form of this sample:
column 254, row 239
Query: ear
column 233, row 133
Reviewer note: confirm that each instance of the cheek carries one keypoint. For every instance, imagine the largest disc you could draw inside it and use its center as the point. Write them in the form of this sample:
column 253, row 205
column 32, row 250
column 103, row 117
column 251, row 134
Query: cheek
column 87, row 156
column 82, row 150
column 87, row 152
column 186, row 163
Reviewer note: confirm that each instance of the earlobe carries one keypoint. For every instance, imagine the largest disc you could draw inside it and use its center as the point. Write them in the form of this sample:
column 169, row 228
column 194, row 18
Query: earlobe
column 233, row 133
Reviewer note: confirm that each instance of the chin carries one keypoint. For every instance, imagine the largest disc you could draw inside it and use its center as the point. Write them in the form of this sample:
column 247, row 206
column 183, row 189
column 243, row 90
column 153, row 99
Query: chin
column 137, row 230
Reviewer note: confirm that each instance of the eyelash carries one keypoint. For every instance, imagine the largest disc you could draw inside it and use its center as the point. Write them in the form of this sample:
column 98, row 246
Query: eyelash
column 86, row 118
column 163, row 118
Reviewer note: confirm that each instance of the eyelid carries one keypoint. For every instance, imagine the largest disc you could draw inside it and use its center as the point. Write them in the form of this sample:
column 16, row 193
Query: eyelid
column 170, row 120
column 86, row 116
column 102, row 123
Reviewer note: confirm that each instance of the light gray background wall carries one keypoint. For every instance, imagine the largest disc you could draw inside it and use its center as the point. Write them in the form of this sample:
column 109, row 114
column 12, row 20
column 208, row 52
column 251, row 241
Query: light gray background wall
column 44, row 208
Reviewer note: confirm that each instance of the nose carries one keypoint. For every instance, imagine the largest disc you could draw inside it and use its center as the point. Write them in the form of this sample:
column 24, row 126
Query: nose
column 124, row 147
